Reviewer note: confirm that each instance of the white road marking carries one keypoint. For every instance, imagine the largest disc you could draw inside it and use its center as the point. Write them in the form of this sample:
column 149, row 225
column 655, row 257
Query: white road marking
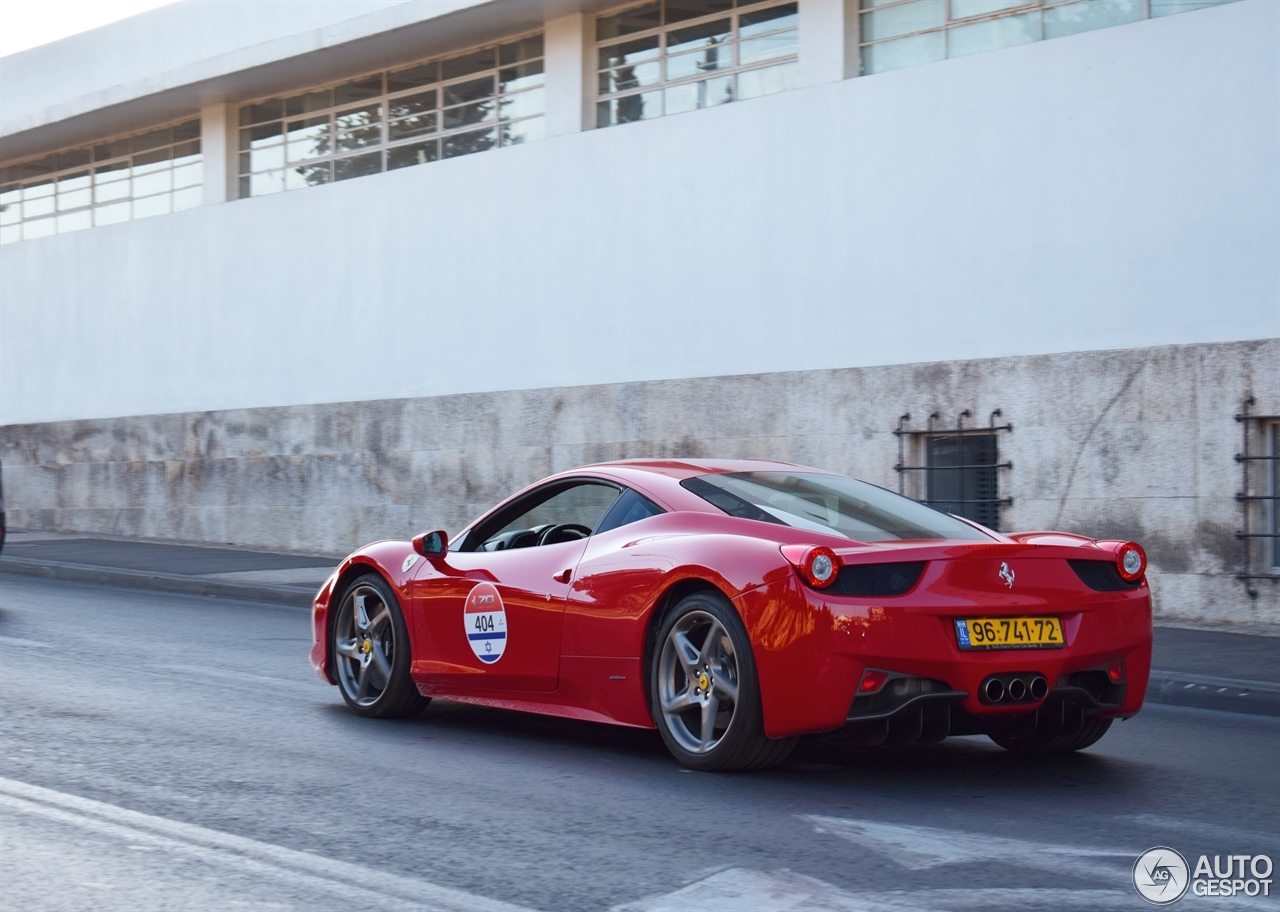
column 29, row 644
column 738, row 889
column 356, row 884
column 920, row 848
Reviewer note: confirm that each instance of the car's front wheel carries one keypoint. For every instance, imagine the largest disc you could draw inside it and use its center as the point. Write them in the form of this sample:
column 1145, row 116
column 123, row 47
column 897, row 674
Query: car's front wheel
column 704, row 690
column 370, row 648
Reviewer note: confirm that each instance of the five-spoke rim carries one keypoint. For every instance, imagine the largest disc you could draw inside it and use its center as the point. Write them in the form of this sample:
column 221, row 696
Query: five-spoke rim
column 364, row 642
column 698, row 682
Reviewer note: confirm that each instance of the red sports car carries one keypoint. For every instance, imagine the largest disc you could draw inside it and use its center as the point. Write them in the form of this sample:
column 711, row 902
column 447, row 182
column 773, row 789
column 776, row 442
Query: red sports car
column 737, row 605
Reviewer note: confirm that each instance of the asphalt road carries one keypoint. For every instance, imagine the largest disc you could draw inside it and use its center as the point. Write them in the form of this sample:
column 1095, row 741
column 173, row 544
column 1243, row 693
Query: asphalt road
column 163, row 752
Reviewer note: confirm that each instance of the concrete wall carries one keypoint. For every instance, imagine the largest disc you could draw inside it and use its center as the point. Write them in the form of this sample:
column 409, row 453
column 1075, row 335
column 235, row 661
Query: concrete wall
column 1114, row 189
column 1129, row 444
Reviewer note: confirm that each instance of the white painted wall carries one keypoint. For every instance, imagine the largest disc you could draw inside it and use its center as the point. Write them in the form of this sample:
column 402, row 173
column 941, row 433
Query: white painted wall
column 1109, row 190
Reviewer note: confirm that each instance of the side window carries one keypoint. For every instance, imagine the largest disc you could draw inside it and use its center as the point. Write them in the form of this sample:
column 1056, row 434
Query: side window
column 628, row 508
column 547, row 517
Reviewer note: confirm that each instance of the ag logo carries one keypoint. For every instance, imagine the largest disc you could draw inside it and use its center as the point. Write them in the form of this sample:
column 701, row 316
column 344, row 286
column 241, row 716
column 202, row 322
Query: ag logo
column 1006, row 574
column 1161, row 875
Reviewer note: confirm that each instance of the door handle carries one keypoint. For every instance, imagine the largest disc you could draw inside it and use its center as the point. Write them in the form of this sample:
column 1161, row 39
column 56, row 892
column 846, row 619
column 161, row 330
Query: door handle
column 564, row 575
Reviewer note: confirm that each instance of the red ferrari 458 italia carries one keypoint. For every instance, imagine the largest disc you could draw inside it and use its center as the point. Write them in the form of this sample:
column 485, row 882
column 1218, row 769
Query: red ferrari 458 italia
column 737, row 605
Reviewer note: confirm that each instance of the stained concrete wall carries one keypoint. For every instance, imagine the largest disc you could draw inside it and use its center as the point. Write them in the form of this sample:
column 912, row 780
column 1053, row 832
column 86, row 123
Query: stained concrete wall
column 1129, row 444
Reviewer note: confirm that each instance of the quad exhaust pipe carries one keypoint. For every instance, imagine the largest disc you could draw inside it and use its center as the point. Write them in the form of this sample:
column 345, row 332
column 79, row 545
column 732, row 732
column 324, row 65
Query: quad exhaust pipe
column 1014, row 688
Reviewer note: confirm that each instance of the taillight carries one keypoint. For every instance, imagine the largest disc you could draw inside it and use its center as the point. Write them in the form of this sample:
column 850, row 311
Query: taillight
column 817, row 564
column 1131, row 562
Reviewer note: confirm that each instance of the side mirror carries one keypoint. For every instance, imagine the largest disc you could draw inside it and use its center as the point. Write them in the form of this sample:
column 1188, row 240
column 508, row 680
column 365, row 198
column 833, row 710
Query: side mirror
column 431, row 544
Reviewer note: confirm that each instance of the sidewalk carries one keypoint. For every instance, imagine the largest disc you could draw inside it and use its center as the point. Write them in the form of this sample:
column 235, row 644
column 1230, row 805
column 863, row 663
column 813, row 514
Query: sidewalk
column 1206, row 669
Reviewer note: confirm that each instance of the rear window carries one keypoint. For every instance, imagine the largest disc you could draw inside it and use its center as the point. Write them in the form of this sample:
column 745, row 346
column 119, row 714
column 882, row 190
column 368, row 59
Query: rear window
column 830, row 504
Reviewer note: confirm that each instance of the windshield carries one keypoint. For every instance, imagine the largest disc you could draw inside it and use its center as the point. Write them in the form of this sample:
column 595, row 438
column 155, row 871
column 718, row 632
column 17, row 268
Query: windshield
column 831, row 504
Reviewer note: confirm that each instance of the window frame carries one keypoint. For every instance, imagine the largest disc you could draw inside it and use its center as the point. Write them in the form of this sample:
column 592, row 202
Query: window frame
column 661, row 32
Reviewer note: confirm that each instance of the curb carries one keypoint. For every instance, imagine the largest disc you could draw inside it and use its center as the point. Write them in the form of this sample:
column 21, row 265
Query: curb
column 1256, row 698
column 295, row 596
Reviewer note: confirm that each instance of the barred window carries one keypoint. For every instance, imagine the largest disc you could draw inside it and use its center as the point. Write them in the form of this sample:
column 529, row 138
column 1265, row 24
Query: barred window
column 670, row 56
column 902, row 33
column 129, row 177
column 482, row 99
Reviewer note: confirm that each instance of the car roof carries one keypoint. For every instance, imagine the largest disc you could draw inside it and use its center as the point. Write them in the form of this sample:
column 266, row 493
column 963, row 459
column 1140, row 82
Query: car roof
column 680, row 469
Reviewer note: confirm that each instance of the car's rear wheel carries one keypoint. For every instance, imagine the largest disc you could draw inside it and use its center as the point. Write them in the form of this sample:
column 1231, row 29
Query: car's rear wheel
column 704, row 690
column 370, row 648
column 1088, row 732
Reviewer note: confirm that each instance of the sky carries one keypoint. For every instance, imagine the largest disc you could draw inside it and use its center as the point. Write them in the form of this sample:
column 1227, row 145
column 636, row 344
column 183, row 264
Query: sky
column 28, row 23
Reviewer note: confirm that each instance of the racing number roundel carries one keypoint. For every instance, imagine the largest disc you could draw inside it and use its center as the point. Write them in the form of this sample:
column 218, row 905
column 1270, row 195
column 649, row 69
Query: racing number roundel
column 485, row 620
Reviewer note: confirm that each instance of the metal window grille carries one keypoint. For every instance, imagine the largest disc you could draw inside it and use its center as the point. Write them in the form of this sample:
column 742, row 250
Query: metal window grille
column 1259, row 498
column 903, row 33
column 126, row 177
column 670, row 56
column 961, row 467
column 472, row 101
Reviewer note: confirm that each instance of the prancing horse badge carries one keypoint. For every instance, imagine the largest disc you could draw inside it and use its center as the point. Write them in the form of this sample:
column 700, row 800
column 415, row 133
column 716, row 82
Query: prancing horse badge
column 1006, row 574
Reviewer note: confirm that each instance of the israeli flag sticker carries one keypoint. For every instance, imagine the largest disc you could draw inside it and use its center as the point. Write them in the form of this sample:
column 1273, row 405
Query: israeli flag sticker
column 485, row 620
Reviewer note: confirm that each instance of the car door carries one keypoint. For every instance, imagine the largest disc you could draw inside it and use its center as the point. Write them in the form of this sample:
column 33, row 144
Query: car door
column 490, row 614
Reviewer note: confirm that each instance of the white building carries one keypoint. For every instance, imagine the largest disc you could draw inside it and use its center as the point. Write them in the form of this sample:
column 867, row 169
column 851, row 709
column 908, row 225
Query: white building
column 307, row 274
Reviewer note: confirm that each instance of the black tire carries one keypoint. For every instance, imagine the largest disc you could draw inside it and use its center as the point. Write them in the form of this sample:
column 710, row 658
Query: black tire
column 737, row 740
column 1090, row 730
column 369, row 643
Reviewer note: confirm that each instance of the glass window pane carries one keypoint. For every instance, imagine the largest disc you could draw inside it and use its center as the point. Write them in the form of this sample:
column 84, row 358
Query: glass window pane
column 892, row 55
column 680, row 10
column 73, row 158
column 114, row 149
column 76, row 199
column 706, row 60
column 413, row 154
column 522, row 131
column 473, row 90
column 147, row 184
column 355, row 118
column 309, row 138
column 696, row 36
column 902, row 20
column 262, row 184
column 963, row 9
column 411, row 104
column 465, row 115
column 188, row 176
column 525, row 104
column 358, row 90
column 151, row 161
column 523, row 49
column 38, row 229
column 39, row 167
column 754, row 83
column 31, row 208
column 636, row 19
column 271, row 109
column 189, row 150
column 109, row 215
column 1089, row 14
column 152, row 205
column 466, row 143
column 779, row 45
column 1168, row 7
column 37, row 191
column 483, row 59
column 188, row 198
column 152, row 140
column 524, row 76
column 77, row 181
column 308, row 175
column 357, row 165
column 75, row 221
column 411, row 78
column 308, row 102
column 411, row 126
column 256, row 137
column 768, row 20
column 111, row 182
column 262, row 160
column 644, row 106
column 630, row 77
column 993, row 34
column 629, row 52
column 187, row 131
column 351, row 140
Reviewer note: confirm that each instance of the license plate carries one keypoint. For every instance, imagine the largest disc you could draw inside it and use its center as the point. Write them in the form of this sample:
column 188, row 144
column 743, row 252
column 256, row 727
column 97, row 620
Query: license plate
column 1009, row 633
